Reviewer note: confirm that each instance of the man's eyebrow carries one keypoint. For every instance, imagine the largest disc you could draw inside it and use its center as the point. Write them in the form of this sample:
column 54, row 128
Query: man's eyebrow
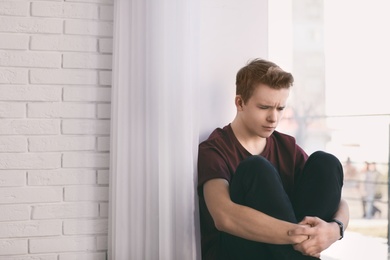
column 268, row 105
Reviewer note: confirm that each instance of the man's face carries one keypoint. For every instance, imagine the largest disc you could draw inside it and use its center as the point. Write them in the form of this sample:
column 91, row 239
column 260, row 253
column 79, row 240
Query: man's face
column 264, row 109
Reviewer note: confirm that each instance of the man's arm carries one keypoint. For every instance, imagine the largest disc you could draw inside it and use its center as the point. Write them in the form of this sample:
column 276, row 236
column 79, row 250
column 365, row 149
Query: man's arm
column 342, row 213
column 243, row 221
column 321, row 234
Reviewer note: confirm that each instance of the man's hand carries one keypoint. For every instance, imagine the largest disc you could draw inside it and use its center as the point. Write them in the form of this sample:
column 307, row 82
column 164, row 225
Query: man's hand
column 320, row 235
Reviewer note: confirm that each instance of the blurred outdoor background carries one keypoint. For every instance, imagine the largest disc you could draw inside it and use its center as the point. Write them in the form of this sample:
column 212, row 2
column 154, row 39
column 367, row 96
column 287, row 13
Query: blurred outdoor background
column 338, row 53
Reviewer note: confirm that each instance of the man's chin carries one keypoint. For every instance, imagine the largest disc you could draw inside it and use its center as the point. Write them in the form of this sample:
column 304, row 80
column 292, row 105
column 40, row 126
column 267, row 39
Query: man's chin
column 266, row 134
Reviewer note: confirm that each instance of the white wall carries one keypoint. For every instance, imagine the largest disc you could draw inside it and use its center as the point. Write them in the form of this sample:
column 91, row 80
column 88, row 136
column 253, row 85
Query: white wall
column 55, row 69
column 231, row 33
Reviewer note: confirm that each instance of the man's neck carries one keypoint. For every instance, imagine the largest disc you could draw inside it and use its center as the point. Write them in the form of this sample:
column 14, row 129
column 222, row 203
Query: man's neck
column 252, row 143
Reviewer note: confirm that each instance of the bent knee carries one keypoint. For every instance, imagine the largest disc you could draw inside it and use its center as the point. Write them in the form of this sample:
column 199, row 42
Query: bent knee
column 255, row 167
column 325, row 157
column 328, row 161
column 255, row 163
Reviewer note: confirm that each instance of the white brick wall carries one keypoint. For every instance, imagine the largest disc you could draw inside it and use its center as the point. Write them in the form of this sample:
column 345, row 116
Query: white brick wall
column 55, row 77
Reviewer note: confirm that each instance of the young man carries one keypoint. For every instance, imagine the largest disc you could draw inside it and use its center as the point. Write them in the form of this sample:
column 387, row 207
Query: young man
column 260, row 195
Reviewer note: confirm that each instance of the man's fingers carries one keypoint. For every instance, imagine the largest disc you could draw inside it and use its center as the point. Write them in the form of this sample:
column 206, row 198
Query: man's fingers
column 311, row 221
column 307, row 248
column 302, row 230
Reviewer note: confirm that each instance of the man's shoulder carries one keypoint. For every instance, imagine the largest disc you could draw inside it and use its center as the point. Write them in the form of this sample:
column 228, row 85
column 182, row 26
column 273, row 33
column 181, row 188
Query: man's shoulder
column 218, row 136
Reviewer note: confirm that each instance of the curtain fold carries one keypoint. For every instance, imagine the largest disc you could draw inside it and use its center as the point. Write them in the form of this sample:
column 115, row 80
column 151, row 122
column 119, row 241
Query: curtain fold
column 154, row 130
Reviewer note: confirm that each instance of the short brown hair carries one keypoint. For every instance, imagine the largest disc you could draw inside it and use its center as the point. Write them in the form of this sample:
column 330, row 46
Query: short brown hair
column 260, row 71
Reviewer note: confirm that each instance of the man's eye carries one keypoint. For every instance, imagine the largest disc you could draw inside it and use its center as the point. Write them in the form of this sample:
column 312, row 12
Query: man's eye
column 281, row 108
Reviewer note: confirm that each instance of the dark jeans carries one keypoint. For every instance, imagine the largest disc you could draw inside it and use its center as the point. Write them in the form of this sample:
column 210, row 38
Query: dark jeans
column 257, row 184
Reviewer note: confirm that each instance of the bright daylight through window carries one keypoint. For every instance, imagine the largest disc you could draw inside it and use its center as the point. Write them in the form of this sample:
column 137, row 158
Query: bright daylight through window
column 339, row 55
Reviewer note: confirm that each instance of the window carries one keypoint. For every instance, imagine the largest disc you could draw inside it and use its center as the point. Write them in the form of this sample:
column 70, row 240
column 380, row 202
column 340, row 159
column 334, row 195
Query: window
column 338, row 53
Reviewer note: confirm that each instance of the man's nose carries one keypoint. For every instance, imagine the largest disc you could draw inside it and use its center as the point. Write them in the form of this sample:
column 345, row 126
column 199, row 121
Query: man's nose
column 272, row 115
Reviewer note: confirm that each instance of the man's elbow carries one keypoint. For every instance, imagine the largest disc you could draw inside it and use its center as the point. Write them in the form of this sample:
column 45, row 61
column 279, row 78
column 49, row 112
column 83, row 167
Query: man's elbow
column 222, row 223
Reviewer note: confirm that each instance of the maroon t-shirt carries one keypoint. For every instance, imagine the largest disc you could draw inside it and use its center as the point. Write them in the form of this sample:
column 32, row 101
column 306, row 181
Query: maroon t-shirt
column 219, row 157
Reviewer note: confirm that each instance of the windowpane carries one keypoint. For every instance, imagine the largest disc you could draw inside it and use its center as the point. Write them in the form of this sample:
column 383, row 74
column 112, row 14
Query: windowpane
column 338, row 53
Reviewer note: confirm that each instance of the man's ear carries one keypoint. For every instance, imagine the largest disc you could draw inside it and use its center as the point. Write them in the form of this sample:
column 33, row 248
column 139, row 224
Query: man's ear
column 239, row 103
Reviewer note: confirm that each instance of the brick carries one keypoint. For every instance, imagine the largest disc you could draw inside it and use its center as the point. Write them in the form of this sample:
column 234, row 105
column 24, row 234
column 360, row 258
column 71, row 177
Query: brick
column 103, row 210
column 13, row 144
column 63, row 43
column 14, row 8
column 91, row 28
column 86, row 61
column 61, row 143
column 14, row 212
column 30, row 59
column 12, row 178
column 62, row 76
column 104, row 111
column 87, row 94
column 30, row 25
column 105, row 78
column 106, row 13
column 86, row 160
column 103, row 144
column 61, row 177
column 85, row 227
column 83, row 256
column 30, row 195
column 95, row 1
column 12, row 110
column 30, row 160
column 30, row 93
column 66, row 210
column 86, row 193
column 64, row 10
column 103, row 177
column 14, row 41
column 97, row 127
column 62, row 244
column 61, row 110
column 29, row 127
column 13, row 247
column 30, row 228
column 102, row 242
column 27, row 257
column 105, row 45
column 13, row 76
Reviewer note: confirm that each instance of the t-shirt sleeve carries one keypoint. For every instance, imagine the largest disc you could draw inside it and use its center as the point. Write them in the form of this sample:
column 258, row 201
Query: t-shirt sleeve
column 211, row 165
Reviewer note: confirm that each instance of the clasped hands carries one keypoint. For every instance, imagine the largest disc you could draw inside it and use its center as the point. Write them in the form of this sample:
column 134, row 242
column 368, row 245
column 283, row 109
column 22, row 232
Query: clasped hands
column 315, row 236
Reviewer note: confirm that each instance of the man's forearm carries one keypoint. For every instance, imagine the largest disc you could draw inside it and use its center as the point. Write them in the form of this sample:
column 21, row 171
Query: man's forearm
column 243, row 221
column 342, row 213
column 257, row 226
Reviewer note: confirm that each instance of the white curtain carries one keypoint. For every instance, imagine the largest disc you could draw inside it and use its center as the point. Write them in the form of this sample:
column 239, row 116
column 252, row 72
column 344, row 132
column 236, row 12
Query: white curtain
column 173, row 82
column 154, row 131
